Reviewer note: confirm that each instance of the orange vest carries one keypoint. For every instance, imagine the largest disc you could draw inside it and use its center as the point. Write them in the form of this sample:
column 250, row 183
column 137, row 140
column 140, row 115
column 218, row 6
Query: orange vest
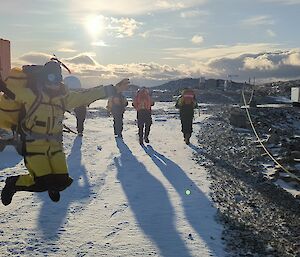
column 143, row 100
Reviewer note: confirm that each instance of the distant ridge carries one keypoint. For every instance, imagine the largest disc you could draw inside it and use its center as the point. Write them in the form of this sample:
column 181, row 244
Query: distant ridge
column 175, row 85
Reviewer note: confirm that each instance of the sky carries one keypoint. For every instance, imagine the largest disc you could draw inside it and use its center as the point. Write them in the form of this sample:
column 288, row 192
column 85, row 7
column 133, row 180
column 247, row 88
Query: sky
column 152, row 42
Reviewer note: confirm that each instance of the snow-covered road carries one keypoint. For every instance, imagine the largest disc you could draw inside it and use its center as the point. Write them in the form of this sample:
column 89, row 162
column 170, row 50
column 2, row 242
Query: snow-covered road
column 126, row 200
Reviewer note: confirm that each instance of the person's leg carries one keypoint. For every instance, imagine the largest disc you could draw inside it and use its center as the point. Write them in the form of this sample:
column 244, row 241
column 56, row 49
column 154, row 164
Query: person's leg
column 141, row 123
column 141, row 132
column 47, row 172
column 80, row 113
column 119, row 124
column 188, row 127
column 80, row 125
column 26, row 182
column 147, row 126
column 183, row 124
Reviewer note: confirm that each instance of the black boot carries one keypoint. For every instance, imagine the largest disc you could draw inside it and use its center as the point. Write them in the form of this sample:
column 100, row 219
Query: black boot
column 9, row 190
column 187, row 138
column 141, row 135
column 141, row 141
column 147, row 132
column 54, row 195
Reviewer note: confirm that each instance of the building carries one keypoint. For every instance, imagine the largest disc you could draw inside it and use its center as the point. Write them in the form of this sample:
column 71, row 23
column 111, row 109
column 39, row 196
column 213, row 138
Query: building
column 5, row 60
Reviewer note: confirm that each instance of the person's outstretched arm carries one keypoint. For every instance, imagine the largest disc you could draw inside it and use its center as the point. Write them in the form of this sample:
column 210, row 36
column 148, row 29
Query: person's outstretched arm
column 75, row 99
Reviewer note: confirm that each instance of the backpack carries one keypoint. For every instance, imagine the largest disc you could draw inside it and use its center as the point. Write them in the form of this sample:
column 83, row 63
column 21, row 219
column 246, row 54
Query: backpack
column 188, row 97
column 29, row 76
column 9, row 108
column 143, row 100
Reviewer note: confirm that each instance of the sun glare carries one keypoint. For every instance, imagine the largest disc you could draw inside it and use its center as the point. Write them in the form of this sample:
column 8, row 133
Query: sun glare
column 95, row 25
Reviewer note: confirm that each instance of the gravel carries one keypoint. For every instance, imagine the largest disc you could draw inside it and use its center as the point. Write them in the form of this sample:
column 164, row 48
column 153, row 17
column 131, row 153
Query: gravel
column 260, row 218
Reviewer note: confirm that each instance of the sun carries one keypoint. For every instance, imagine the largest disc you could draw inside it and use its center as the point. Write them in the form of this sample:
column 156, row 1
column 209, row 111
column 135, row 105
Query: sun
column 95, row 25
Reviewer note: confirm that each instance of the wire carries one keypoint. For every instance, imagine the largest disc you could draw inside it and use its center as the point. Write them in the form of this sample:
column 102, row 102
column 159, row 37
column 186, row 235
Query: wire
column 263, row 146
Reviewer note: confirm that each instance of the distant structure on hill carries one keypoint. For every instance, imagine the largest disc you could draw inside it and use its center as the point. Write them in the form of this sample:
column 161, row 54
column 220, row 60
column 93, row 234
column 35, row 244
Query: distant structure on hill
column 5, row 60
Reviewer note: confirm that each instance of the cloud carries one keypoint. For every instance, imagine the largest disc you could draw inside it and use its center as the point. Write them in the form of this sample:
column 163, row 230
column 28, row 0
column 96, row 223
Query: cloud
column 285, row 2
column 193, row 13
column 264, row 66
column 131, row 7
column 83, row 58
column 271, row 33
column 66, row 50
column 118, row 27
column 160, row 33
column 205, row 54
column 197, row 39
column 258, row 20
column 35, row 58
column 28, row 7
column 99, row 43
column 292, row 59
column 124, row 27
column 261, row 62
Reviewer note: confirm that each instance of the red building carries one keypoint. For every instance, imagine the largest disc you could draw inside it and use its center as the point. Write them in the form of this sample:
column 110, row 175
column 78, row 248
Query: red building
column 5, row 60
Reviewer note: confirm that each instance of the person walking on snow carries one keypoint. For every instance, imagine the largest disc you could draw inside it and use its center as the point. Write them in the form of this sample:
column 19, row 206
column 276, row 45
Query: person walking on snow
column 73, row 83
column 44, row 102
column 186, row 104
column 143, row 103
column 116, row 106
column 80, row 113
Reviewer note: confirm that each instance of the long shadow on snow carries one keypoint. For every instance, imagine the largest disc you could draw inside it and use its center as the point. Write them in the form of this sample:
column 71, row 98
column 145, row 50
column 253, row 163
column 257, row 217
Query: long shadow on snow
column 9, row 158
column 196, row 205
column 53, row 215
column 150, row 204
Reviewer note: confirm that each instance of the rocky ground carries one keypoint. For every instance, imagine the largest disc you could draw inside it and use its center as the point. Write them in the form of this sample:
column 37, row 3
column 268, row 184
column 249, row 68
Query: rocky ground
column 261, row 218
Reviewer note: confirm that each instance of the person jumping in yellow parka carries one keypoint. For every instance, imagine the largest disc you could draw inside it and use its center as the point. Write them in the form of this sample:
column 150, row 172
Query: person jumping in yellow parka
column 37, row 111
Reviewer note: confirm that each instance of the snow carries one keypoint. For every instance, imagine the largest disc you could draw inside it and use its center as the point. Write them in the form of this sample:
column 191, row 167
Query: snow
column 126, row 200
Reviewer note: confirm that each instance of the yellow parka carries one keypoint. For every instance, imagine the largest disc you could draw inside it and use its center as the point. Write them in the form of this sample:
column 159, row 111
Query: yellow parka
column 43, row 111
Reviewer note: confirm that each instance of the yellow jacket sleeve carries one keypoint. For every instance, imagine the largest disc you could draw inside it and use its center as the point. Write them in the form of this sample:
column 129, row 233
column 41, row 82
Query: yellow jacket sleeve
column 76, row 99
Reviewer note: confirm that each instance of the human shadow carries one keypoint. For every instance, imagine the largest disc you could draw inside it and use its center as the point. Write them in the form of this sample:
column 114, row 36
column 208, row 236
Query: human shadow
column 9, row 158
column 52, row 216
column 150, row 204
column 197, row 207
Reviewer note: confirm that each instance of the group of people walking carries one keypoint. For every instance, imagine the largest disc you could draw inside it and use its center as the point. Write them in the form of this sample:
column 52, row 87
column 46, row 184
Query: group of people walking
column 143, row 102
column 33, row 104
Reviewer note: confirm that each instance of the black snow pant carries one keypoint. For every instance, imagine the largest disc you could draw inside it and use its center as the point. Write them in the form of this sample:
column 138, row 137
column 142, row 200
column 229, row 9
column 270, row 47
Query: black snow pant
column 186, row 118
column 118, row 123
column 144, row 121
column 80, row 113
